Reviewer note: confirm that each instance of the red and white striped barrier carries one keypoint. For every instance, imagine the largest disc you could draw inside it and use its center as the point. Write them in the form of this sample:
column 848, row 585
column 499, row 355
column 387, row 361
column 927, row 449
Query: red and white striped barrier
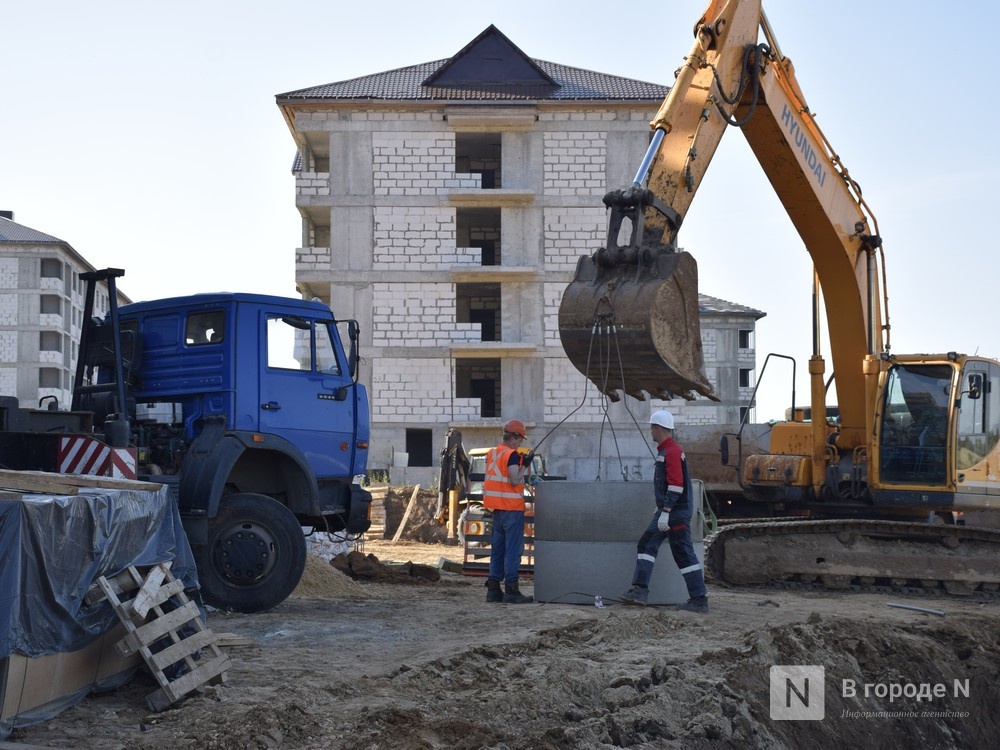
column 79, row 454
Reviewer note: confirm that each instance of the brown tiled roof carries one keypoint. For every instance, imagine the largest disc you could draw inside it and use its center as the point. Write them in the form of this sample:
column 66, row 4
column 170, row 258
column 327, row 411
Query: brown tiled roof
column 406, row 84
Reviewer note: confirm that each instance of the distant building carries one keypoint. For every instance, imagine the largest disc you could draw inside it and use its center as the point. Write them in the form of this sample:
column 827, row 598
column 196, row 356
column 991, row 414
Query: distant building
column 41, row 314
column 444, row 205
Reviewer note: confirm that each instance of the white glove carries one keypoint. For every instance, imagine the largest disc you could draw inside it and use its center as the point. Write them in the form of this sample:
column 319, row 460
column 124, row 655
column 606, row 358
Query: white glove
column 663, row 522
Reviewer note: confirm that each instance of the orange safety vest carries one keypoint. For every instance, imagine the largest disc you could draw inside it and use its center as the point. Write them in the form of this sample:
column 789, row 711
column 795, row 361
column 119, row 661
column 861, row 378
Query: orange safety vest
column 498, row 492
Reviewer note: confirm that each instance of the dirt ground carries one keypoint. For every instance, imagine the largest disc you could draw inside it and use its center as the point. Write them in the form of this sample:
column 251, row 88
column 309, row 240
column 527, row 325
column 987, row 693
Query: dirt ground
column 406, row 663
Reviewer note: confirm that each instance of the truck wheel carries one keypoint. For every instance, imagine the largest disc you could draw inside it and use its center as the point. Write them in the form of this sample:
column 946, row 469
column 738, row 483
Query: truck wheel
column 255, row 555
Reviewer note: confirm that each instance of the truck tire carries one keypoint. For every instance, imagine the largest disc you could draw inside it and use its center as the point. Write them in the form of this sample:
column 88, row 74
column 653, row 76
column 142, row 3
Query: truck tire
column 255, row 555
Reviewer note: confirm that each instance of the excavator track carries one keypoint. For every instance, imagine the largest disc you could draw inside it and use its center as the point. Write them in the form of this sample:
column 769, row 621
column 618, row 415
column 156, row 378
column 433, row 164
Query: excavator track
column 859, row 555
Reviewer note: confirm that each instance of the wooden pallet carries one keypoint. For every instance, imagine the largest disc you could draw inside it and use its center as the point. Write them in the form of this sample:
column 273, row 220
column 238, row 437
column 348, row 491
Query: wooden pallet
column 157, row 613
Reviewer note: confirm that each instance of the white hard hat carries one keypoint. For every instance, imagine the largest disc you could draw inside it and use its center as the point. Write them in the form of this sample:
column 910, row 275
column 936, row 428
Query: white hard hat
column 663, row 419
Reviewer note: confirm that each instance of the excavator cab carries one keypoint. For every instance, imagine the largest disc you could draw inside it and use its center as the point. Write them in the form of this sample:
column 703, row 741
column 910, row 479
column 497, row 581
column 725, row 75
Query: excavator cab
column 629, row 320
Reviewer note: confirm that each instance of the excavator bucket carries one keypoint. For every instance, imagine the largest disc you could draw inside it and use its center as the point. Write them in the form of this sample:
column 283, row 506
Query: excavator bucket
column 629, row 322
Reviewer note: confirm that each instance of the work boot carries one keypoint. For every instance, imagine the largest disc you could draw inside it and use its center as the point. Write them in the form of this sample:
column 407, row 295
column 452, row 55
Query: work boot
column 636, row 595
column 493, row 592
column 513, row 595
column 698, row 604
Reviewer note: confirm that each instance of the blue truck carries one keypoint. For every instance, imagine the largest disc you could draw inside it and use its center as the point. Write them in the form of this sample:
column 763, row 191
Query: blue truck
column 247, row 406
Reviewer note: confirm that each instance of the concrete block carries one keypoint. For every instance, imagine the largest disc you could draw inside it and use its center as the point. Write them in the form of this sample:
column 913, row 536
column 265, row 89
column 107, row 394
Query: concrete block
column 585, row 542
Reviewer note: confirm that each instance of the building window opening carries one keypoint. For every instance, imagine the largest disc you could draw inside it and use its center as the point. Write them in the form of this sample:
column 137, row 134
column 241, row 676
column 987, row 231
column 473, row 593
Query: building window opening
column 746, row 377
column 51, row 268
column 480, row 228
column 50, row 341
column 479, row 153
column 49, row 377
column 746, row 336
column 50, row 304
column 479, row 303
column 420, row 447
column 480, row 379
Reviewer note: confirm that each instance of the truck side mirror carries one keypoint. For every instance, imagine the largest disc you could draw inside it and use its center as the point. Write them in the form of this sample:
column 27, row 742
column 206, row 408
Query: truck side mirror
column 975, row 386
column 353, row 358
column 724, row 450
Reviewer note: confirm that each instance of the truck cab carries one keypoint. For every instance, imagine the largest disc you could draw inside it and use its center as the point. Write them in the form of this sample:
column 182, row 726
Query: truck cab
column 248, row 407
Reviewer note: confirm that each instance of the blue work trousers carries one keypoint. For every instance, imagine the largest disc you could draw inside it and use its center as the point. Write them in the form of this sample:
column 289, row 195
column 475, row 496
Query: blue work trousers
column 681, row 547
column 507, row 543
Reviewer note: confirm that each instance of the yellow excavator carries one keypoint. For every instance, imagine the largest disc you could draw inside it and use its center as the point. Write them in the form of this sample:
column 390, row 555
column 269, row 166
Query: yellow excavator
column 897, row 490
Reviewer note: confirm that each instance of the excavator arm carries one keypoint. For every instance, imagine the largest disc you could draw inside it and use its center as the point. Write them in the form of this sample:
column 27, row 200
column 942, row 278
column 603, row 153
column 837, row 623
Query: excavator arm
column 629, row 320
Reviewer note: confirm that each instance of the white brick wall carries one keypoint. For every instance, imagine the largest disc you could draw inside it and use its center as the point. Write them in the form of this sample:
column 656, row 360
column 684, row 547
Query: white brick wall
column 8, row 309
column 8, row 351
column 416, row 164
column 8, row 379
column 566, row 390
column 552, row 292
column 710, row 344
column 575, row 163
column 572, row 232
column 418, row 314
column 417, row 238
column 312, row 183
column 412, row 390
column 8, row 273
column 312, row 258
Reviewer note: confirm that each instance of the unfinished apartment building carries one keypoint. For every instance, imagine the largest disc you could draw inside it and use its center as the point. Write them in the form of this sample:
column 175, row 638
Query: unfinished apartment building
column 41, row 314
column 444, row 207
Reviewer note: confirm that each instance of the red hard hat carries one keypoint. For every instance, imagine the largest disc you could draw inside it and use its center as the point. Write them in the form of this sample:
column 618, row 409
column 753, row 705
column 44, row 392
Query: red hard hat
column 515, row 427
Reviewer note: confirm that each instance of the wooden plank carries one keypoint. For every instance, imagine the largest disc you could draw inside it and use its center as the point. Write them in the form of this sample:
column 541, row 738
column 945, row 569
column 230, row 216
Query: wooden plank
column 142, row 602
column 185, row 647
column 406, row 515
column 36, row 481
column 162, row 595
column 112, row 483
column 231, row 639
column 67, row 484
column 158, row 628
column 180, row 687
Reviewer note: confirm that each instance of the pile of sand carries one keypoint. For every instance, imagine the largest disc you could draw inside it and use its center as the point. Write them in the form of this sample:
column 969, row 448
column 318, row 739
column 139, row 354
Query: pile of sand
column 321, row 580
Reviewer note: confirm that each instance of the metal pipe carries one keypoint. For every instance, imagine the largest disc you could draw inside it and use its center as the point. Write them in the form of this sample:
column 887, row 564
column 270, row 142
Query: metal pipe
column 873, row 319
column 816, row 293
column 916, row 609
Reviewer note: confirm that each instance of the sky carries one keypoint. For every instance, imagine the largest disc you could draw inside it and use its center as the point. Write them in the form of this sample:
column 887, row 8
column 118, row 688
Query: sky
column 146, row 135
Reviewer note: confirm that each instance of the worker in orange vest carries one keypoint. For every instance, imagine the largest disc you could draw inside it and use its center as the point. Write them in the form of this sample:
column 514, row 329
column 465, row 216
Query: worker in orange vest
column 503, row 494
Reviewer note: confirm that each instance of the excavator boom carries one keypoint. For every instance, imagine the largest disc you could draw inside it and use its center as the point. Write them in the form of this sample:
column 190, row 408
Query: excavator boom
column 629, row 319
column 916, row 437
